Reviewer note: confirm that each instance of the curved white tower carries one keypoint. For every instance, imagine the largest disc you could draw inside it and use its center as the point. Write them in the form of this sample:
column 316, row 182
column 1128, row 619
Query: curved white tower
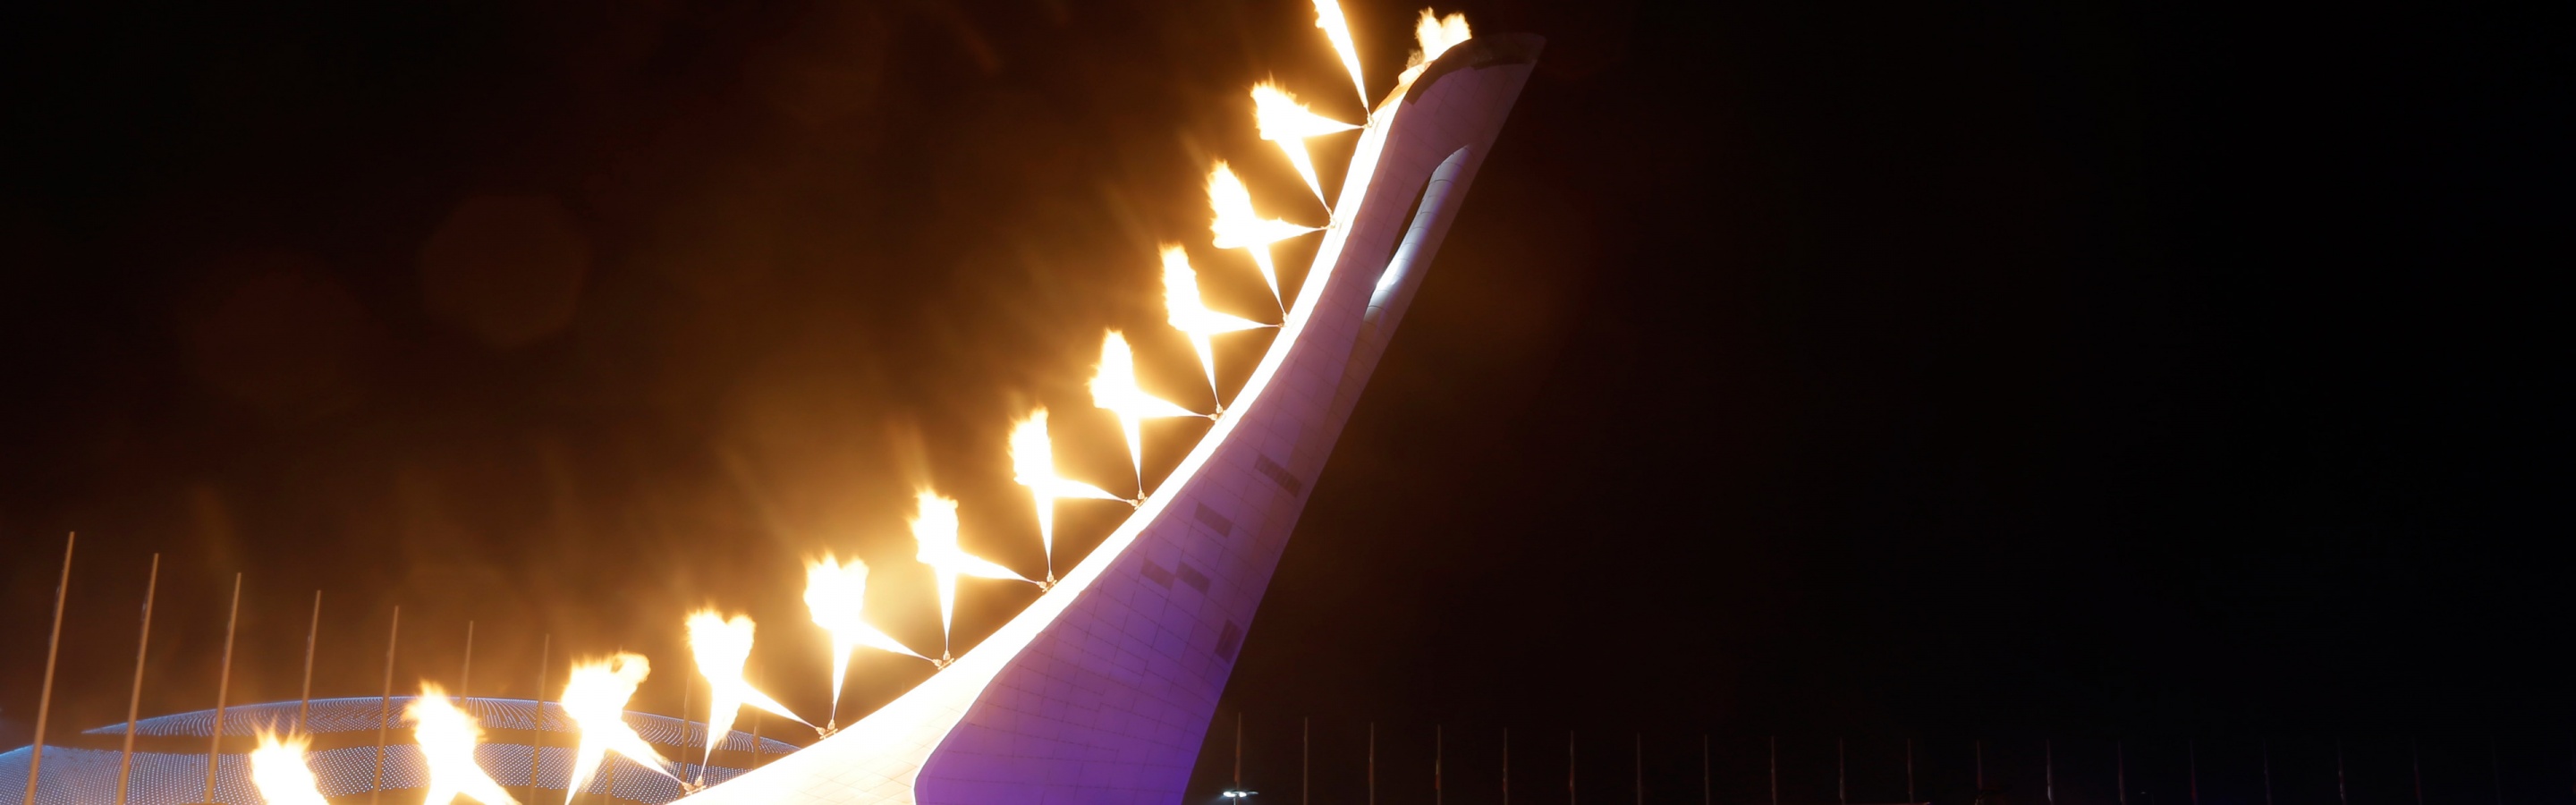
column 1101, row 691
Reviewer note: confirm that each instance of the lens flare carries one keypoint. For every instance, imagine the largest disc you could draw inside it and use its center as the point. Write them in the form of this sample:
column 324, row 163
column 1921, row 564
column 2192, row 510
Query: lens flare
column 934, row 527
column 1033, row 465
column 595, row 699
column 1114, row 388
column 1189, row 313
column 278, row 771
column 1284, row 121
column 837, row 595
column 722, row 646
column 1237, row 226
column 1433, row 35
column 1328, row 16
column 447, row 737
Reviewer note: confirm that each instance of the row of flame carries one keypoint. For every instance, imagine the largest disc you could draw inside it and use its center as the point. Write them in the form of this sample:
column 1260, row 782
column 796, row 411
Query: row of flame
column 596, row 695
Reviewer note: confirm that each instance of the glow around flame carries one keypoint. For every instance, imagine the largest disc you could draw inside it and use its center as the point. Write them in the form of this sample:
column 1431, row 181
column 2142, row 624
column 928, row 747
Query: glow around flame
column 934, row 528
column 447, row 737
column 1189, row 313
column 1284, row 121
column 1115, row 389
column 278, row 770
column 595, row 699
column 1328, row 16
column 1033, row 465
column 1237, row 226
column 722, row 646
column 837, row 596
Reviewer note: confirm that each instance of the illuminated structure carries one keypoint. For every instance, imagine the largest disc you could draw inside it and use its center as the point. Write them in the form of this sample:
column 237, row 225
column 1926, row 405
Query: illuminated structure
column 170, row 754
column 1102, row 690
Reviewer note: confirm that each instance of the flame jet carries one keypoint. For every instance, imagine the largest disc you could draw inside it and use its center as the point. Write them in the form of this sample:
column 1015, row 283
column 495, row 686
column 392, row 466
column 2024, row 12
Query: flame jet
column 935, row 528
column 1033, row 465
column 447, row 736
column 596, row 701
column 1114, row 388
column 1190, row 314
column 1434, row 35
column 837, row 595
column 722, row 646
column 1237, row 226
column 1328, row 16
column 278, row 771
column 1284, row 121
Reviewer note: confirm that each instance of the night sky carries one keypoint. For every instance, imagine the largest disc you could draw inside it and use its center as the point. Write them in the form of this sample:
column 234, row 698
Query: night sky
column 1945, row 371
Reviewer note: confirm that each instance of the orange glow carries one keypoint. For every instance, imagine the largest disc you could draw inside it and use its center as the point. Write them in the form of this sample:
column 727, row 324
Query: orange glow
column 279, row 772
column 1189, row 314
column 1114, row 388
column 1328, row 16
column 1284, row 121
column 722, row 646
column 1433, row 37
column 1033, row 465
column 837, row 596
column 595, row 699
column 934, row 529
column 447, row 737
column 1237, row 226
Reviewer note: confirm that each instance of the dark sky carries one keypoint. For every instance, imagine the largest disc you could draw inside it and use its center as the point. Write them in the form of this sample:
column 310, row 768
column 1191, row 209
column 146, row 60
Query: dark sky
column 1942, row 370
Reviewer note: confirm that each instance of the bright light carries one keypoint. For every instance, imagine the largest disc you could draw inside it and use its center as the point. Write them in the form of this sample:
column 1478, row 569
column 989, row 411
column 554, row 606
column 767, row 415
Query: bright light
column 447, row 737
column 1237, row 226
column 1328, row 16
column 1189, row 314
column 1283, row 120
column 278, row 770
column 1033, row 465
column 595, row 699
column 837, row 596
column 1114, row 388
column 722, row 646
column 934, row 528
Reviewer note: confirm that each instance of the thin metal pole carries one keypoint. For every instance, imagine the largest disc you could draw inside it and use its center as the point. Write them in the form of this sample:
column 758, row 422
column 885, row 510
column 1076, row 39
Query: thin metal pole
column 537, row 719
column 2048, row 765
column 2267, row 773
column 1909, row 771
column 465, row 678
column 385, row 707
column 1842, row 788
column 312, row 631
column 689, row 685
column 2415, row 760
column 223, row 685
column 53, row 649
column 134, row 700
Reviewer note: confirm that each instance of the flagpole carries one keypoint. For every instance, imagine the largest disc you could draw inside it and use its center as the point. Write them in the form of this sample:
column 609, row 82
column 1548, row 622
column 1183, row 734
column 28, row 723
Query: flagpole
column 304, row 709
column 134, row 700
column 385, row 706
column 223, row 686
column 53, row 649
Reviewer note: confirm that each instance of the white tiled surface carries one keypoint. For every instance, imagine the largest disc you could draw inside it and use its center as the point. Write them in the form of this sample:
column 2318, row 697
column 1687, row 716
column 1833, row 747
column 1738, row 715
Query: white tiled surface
column 1103, row 689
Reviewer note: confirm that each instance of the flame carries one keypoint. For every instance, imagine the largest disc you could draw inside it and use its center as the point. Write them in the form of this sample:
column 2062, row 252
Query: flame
column 595, row 699
column 722, row 647
column 1328, row 16
column 1033, row 465
column 1189, row 314
column 837, row 594
column 1434, row 35
column 1237, row 226
column 1284, row 121
column 278, row 770
column 447, row 737
column 935, row 529
column 1114, row 388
